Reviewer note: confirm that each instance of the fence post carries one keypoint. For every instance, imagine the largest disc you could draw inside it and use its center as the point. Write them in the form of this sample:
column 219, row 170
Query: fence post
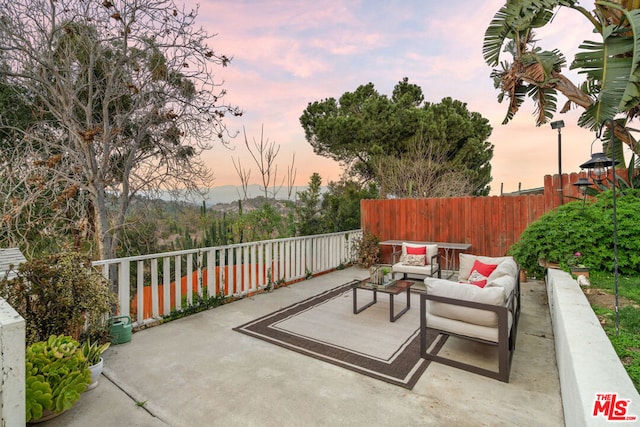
column 12, row 366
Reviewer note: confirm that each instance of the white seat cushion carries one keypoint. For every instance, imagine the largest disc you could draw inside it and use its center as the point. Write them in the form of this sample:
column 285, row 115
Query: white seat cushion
column 400, row 267
column 487, row 333
column 494, row 295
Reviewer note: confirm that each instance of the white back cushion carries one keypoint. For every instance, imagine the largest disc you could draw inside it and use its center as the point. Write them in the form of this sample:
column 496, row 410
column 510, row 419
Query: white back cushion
column 467, row 260
column 432, row 250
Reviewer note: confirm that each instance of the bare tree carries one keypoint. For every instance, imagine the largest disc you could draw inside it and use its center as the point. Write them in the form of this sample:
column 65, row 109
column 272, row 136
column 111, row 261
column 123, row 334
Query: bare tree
column 420, row 172
column 264, row 157
column 123, row 103
column 244, row 174
column 291, row 176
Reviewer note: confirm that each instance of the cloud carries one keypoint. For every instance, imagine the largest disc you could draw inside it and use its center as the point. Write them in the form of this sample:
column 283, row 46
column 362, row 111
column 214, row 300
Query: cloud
column 288, row 53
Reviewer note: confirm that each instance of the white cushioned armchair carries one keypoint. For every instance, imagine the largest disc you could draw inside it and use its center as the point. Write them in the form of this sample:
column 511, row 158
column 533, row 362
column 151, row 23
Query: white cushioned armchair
column 419, row 259
column 486, row 310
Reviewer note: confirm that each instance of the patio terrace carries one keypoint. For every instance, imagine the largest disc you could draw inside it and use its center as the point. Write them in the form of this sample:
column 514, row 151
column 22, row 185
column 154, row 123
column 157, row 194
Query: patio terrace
column 197, row 371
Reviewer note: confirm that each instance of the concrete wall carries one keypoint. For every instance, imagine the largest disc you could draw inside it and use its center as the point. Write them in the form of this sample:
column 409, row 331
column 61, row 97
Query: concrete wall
column 587, row 363
column 12, row 368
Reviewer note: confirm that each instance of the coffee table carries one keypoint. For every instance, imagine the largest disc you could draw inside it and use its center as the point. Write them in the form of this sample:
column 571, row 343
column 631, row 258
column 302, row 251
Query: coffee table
column 396, row 288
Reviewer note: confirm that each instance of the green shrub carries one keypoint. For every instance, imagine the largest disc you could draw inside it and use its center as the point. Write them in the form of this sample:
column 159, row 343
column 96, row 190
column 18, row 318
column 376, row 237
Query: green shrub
column 560, row 233
column 60, row 294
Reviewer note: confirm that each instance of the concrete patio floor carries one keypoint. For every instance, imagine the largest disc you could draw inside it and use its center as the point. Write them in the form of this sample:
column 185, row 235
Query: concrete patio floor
column 197, row 371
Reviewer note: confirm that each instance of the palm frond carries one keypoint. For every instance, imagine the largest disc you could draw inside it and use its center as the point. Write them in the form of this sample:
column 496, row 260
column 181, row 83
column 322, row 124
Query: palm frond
column 618, row 145
column 515, row 20
column 607, row 69
column 612, row 67
column 545, row 99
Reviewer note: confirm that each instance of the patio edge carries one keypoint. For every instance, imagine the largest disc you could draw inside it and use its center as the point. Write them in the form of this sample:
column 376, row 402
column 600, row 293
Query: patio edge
column 587, row 363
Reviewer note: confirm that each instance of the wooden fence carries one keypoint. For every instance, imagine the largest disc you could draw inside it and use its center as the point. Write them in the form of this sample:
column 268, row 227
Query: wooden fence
column 490, row 224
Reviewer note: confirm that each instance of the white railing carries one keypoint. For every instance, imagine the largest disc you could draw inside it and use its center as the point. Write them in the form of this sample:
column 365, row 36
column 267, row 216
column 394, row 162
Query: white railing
column 147, row 287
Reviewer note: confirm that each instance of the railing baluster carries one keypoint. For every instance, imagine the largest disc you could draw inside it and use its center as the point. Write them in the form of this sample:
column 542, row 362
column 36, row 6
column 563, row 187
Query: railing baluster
column 190, row 279
column 140, row 292
column 223, row 277
column 123, row 288
column 199, row 268
column 211, row 273
column 246, row 260
column 155, row 311
column 177, row 260
column 233, row 289
column 260, row 282
column 254, row 267
column 238, row 267
column 166, row 286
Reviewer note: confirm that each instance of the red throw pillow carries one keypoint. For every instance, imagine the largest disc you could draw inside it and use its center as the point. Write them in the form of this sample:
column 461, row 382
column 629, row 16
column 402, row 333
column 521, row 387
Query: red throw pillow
column 484, row 269
column 416, row 250
column 480, row 272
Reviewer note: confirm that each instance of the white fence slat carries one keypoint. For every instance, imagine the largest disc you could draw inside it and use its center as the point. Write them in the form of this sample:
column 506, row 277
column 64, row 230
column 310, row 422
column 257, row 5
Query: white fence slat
column 177, row 261
column 199, row 269
column 189, row 279
column 155, row 310
column 123, row 288
column 166, row 286
column 140, row 291
column 211, row 273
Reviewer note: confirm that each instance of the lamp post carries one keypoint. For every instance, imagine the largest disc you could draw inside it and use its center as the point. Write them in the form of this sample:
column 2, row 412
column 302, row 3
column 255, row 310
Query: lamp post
column 559, row 124
column 598, row 167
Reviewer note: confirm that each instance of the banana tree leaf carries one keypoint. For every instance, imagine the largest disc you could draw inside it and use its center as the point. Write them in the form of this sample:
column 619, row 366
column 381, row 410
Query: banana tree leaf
column 514, row 21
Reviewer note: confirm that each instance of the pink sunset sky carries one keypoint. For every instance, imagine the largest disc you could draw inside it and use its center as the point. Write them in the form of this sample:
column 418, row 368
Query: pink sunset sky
column 287, row 53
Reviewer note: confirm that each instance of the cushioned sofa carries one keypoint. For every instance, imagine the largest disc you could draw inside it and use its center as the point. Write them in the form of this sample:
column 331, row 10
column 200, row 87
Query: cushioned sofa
column 484, row 306
column 422, row 260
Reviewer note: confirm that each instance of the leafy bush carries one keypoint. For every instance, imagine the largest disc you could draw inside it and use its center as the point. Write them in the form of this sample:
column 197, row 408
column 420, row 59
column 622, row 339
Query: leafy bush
column 367, row 249
column 56, row 375
column 60, row 294
column 560, row 233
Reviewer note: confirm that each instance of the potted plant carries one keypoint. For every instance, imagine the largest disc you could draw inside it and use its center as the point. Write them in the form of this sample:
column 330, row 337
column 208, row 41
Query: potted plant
column 92, row 352
column 386, row 275
column 575, row 265
column 57, row 374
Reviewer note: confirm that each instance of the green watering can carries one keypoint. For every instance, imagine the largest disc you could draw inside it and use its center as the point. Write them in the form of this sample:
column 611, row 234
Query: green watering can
column 120, row 329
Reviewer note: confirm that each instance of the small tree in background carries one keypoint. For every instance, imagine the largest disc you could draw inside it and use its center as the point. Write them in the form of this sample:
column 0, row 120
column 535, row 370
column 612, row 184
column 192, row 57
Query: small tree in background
column 340, row 207
column 308, row 217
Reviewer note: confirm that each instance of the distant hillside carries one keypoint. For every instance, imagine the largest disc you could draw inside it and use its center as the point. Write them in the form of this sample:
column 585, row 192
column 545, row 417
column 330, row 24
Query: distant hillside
column 230, row 193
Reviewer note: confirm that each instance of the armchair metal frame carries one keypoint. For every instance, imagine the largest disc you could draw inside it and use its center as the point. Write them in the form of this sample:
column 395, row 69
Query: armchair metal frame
column 506, row 336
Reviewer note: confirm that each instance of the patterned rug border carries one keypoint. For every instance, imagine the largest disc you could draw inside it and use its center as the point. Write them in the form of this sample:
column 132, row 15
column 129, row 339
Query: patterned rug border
column 404, row 370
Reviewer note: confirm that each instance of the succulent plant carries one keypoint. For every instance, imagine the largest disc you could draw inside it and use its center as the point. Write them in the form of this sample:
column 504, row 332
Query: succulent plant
column 93, row 352
column 56, row 374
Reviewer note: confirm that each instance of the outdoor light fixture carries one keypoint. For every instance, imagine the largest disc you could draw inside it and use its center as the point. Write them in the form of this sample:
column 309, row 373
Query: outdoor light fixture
column 598, row 166
column 582, row 184
column 559, row 124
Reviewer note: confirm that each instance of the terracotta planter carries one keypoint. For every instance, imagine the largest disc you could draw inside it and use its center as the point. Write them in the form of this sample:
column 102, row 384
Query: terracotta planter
column 523, row 276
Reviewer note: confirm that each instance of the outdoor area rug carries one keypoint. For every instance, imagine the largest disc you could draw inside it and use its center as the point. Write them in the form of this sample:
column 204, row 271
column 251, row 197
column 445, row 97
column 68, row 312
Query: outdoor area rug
column 324, row 327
